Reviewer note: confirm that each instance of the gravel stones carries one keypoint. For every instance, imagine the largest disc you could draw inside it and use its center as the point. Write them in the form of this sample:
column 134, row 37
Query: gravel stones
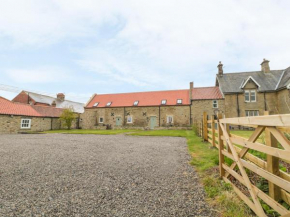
column 98, row 175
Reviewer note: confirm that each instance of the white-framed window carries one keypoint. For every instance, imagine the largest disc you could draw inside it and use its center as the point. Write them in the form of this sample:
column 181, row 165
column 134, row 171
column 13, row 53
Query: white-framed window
column 169, row 119
column 179, row 101
column 109, row 103
column 129, row 119
column 101, row 120
column 215, row 104
column 250, row 113
column 96, row 104
column 136, row 103
column 25, row 124
column 163, row 102
column 250, row 96
column 253, row 96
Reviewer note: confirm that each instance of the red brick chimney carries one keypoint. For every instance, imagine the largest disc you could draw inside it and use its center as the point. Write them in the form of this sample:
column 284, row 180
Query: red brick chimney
column 265, row 66
column 60, row 96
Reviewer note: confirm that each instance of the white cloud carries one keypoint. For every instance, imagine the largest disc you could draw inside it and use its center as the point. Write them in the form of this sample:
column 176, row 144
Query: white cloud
column 39, row 75
column 164, row 43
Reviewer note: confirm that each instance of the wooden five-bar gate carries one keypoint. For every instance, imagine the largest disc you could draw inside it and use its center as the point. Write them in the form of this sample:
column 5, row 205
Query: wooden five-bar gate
column 277, row 149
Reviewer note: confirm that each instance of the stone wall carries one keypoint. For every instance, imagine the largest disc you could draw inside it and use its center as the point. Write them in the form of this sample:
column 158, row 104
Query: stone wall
column 283, row 101
column 200, row 106
column 141, row 117
column 264, row 101
column 11, row 124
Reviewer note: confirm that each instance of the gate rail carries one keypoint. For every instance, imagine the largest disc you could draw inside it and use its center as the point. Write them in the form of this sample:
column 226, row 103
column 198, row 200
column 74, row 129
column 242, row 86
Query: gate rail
column 276, row 148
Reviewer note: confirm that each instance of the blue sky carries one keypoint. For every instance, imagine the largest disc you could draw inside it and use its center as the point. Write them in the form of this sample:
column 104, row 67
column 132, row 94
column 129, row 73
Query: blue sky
column 85, row 47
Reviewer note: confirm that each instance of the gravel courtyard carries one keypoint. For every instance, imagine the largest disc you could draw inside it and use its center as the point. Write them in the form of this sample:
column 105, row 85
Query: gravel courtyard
column 97, row 175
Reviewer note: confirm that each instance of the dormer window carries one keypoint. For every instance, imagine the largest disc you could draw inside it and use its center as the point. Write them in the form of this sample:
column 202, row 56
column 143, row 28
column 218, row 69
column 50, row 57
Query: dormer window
column 96, row 104
column 163, row 102
column 109, row 103
column 136, row 103
column 179, row 101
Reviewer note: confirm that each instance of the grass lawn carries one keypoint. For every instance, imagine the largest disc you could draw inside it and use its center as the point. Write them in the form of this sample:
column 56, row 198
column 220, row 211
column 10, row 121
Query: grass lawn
column 174, row 133
column 99, row 132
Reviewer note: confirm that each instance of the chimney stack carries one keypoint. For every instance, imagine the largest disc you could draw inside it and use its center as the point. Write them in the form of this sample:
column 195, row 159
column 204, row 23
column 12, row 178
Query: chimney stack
column 220, row 69
column 190, row 90
column 60, row 96
column 265, row 66
column 53, row 104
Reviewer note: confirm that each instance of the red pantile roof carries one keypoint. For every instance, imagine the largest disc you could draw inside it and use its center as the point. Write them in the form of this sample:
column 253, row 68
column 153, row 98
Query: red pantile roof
column 47, row 111
column 145, row 98
column 11, row 108
column 200, row 93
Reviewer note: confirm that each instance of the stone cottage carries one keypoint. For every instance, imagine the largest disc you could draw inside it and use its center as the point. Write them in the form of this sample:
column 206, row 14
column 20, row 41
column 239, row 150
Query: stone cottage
column 17, row 117
column 252, row 93
column 151, row 110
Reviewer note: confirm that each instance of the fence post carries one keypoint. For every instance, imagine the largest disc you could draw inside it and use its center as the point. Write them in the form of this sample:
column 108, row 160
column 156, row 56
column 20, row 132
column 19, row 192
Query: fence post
column 221, row 147
column 272, row 163
column 205, row 138
column 213, row 131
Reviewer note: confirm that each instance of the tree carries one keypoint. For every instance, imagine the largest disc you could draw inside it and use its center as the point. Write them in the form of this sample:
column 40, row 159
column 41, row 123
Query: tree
column 68, row 116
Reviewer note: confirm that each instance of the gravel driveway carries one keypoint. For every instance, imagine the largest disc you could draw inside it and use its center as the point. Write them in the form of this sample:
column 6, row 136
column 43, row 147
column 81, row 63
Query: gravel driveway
column 97, row 175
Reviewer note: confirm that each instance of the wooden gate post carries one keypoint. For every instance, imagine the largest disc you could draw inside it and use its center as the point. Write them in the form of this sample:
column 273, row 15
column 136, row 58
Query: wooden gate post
column 213, row 131
column 272, row 163
column 221, row 148
column 205, row 137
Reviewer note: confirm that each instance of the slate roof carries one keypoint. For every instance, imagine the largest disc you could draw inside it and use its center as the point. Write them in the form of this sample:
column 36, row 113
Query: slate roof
column 78, row 107
column 285, row 79
column 12, row 108
column 232, row 82
column 152, row 98
column 200, row 93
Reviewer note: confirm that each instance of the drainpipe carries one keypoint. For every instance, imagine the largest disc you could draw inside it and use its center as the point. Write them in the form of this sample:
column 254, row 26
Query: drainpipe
column 124, row 116
column 159, row 116
column 265, row 103
column 50, row 123
column 238, row 107
column 190, row 121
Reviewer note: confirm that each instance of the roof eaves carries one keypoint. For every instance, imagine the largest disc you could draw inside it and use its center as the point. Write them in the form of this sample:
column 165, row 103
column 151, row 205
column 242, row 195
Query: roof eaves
column 92, row 97
column 219, row 86
column 280, row 80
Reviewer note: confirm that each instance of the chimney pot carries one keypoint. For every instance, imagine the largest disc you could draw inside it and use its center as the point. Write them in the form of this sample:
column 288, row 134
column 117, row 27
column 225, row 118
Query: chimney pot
column 265, row 66
column 60, row 96
column 220, row 69
column 53, row 104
